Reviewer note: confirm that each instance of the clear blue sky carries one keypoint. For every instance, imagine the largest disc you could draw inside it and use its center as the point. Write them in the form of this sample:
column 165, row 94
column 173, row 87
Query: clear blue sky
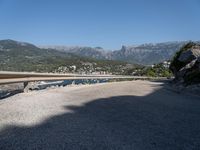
column 105, row 23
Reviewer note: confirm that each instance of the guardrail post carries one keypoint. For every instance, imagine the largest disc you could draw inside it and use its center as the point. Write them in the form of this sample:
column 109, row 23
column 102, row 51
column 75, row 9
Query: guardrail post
column 26, row 87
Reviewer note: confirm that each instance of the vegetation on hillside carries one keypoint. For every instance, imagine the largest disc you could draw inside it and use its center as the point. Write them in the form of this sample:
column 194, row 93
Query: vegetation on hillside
column 158, row 71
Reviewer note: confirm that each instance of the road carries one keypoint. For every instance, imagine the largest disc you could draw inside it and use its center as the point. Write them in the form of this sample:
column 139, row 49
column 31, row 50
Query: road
column 138, row 115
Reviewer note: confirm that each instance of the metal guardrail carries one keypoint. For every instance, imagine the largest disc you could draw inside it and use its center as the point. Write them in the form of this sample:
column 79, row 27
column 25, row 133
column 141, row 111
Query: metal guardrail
column 17, row 77
column 27, row 77
column 7, row 75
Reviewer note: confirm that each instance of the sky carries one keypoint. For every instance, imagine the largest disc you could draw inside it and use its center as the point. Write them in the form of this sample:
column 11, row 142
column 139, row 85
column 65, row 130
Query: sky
column 105, row 23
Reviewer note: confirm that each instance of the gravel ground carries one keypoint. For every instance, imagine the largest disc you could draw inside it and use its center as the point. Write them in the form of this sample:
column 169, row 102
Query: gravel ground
column 139, row 115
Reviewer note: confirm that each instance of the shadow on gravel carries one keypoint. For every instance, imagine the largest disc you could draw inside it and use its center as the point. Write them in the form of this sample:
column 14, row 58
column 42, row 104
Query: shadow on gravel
column 123, row 122
column 7, row 94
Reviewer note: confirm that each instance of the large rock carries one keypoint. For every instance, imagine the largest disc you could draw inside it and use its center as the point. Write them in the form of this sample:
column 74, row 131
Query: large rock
column 189, row 55
column 186, row 64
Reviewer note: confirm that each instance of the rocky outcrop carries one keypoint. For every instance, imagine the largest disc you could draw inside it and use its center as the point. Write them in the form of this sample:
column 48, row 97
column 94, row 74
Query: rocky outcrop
column 186, row 64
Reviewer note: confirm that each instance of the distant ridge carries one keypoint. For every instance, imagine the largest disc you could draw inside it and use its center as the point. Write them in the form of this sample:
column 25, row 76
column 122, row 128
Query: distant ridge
column 145, row 54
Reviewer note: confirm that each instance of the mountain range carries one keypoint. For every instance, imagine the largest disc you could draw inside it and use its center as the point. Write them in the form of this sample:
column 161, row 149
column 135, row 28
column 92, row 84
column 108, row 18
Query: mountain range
column 144, row 54
column 14, row 54
column 22, row 56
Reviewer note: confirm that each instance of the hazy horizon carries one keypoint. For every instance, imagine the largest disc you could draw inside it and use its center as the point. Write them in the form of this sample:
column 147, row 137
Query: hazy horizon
column 71, row 46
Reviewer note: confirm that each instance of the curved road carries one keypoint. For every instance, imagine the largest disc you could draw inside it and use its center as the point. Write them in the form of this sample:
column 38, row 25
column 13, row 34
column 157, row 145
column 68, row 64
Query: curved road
column 138, row 115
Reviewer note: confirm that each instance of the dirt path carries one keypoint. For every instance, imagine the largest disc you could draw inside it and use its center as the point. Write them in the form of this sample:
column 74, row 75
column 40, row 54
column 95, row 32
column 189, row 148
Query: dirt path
column 124, row 115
